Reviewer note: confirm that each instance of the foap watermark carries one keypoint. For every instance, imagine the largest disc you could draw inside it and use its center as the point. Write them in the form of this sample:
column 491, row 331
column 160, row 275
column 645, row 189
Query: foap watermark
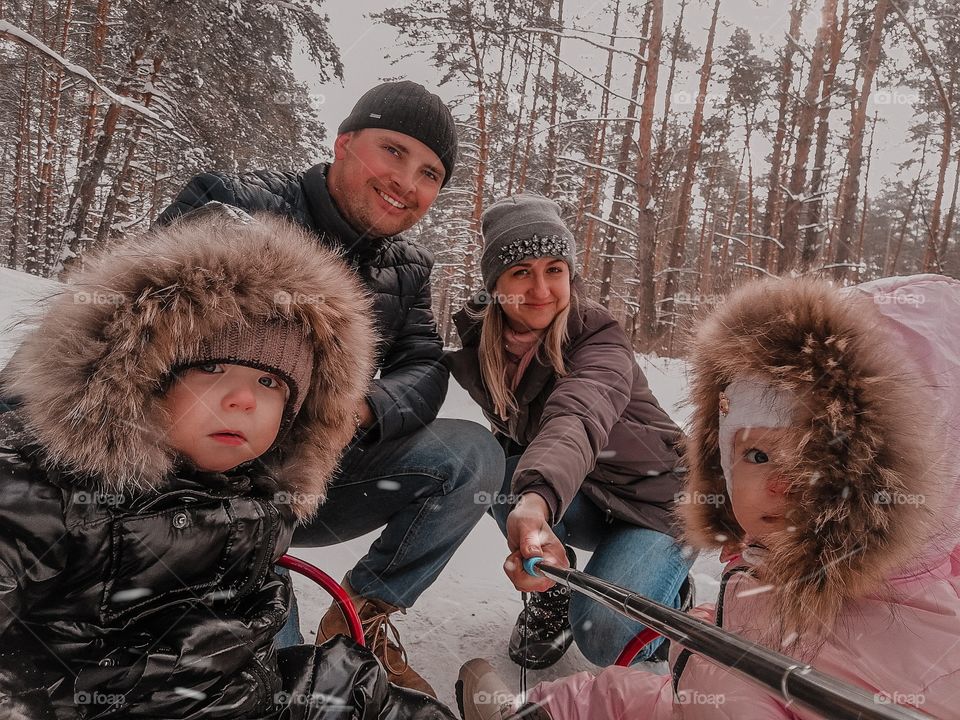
column 483, row 297
column 98, row 698
column 295, row 498
column 330, row 702
column 895, row 96
column 885, row 497
column 485, row 498
column 900, row 299
column 97, row 297
column 98, row 497
column 494, row 698
column 282, row 297
column 288, row 97
column 683, row 298
column 700, row 498
column 899, row 698
column 695, row 697
column 683, row 97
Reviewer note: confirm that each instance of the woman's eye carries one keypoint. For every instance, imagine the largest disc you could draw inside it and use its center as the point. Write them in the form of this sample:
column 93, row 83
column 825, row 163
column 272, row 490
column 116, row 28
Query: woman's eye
column 520, row 273
column 392, row 150
column 756, row 456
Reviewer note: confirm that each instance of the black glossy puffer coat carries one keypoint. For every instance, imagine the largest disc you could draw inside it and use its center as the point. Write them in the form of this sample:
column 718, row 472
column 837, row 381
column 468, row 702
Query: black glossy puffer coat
column 133, row 585
column 413, row 380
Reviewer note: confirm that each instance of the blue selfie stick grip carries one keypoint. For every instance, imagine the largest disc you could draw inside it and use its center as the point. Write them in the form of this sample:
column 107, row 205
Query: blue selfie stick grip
column 530, row 565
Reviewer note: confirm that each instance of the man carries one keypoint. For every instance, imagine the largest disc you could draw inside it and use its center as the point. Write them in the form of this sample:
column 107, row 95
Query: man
column 427, row 481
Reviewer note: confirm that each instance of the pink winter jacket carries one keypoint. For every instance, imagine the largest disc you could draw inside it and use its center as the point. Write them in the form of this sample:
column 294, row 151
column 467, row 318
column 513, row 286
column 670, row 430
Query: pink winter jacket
column 902, row 644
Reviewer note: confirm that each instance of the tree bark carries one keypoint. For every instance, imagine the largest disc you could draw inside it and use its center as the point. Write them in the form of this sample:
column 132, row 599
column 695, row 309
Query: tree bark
column 772, row 207
column 850, row 190
column 809, row 109
column 646, row 225
column 678, row 242
column 813, row 234
column 552, row 134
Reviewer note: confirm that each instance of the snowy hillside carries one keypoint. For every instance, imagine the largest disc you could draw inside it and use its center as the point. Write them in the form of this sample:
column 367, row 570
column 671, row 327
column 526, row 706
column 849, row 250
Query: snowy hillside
column 470, row 611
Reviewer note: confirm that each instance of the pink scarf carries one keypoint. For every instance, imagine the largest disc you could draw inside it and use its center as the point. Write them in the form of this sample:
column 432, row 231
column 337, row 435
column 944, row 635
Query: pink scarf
column 521, row 348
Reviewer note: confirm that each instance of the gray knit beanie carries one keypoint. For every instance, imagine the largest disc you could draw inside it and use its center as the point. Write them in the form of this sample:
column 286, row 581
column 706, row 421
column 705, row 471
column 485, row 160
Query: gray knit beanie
column 523, row 226
column 409, row 108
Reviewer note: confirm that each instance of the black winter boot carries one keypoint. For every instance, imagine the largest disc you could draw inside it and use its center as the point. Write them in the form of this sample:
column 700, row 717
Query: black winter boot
column 545, row 626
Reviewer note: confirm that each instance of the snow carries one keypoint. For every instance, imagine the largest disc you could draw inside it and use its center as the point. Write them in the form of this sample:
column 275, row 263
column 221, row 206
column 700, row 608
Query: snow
column 469, row 612
column 6, row 28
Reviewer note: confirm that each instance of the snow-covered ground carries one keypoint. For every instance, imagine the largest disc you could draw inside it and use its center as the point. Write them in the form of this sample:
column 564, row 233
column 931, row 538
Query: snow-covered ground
column 470, row 610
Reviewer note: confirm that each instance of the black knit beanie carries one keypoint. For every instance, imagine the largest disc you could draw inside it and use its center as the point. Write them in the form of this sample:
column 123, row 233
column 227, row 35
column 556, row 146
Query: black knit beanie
column 409, row 108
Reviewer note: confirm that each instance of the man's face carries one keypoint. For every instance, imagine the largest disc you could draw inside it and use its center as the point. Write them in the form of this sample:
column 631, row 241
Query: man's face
column 383, row 181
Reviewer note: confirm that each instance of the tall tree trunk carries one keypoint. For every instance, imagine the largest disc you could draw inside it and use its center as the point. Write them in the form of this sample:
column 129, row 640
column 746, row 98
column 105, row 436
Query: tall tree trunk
column 98, row 40
column 89, row 176
column 813, row 235
column 531, row 124
column 515, row 145
column 866, row 190
column 951, row 213
column 678, row 242
column 623, row 160
column 598, row 177
column 809, row 108
column 850, row 190
column 553, row 139
column 119, row 192
column 660, row 157
column 20, row 181
column 483, row 150
column 890, row 267
column 646, row 226
column 772, row 208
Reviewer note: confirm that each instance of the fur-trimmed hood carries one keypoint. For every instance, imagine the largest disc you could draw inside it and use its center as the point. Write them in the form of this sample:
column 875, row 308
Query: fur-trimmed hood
column 869, row 482
column 91, row 374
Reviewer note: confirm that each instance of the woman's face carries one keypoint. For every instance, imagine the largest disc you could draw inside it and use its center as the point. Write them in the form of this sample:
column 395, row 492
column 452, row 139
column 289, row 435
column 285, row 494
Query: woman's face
column 533, row 292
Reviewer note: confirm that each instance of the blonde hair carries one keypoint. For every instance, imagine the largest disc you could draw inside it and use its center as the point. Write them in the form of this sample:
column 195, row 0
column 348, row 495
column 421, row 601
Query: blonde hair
column 492, row 353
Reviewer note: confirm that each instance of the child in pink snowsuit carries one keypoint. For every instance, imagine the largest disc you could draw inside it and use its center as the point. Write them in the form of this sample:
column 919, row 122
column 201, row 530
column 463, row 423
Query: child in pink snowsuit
column 823, row 460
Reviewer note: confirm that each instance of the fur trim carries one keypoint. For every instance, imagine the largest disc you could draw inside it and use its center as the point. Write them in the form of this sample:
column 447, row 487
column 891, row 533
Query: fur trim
column 863, row 443
column 92, row 373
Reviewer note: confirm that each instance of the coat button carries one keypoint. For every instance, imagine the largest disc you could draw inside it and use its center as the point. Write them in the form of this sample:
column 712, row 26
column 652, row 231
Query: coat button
column 180, row 520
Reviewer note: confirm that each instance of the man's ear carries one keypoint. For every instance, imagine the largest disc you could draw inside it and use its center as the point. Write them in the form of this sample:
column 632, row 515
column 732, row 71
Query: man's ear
column 341, row 144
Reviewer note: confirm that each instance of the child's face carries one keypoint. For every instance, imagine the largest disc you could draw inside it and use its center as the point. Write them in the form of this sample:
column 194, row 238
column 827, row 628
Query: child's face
column 758, row 491
column 223, row 415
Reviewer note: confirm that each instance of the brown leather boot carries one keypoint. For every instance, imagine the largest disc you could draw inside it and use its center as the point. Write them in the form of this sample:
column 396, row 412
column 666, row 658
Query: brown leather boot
column 377, row 628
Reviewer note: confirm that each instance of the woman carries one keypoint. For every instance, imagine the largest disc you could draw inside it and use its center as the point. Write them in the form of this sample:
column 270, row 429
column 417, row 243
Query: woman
column 591, row 455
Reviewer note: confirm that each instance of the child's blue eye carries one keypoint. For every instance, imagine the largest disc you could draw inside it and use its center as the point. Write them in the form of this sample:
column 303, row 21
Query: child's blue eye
column 270, row 382
column 210, row 368
column 756, row 456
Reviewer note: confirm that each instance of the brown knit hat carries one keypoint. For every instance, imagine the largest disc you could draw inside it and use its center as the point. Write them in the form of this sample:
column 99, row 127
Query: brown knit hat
column 278, row 345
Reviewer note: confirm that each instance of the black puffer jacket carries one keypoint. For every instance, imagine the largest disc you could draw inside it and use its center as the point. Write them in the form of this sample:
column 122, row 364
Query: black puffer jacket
column 131, row 584
column 413, row 381
column 155, row 604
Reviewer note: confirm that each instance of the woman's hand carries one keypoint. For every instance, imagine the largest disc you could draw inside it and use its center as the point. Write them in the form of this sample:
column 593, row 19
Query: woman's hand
column 529, row 535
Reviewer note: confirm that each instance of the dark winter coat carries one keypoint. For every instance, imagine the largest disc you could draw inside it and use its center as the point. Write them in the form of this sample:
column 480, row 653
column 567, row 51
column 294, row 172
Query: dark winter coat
column 597, row 430
column 132, row 585
column 413, row 381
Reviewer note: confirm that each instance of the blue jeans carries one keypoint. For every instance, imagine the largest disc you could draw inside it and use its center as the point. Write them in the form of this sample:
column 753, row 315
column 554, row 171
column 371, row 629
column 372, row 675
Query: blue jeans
column 427, row 490
column 648, row 562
